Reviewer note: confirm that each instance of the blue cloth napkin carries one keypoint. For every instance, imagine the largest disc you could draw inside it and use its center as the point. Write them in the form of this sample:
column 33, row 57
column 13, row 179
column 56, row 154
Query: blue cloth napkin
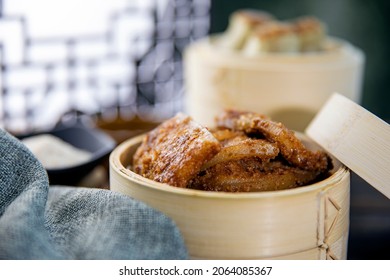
column 42, row 222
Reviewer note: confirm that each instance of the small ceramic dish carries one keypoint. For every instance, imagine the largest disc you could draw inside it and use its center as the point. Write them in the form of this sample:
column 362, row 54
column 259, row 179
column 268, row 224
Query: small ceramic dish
column 84, row 137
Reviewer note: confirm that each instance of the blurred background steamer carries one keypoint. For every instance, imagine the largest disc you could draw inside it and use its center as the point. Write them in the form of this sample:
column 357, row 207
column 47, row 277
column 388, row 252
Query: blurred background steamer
column 285, row 69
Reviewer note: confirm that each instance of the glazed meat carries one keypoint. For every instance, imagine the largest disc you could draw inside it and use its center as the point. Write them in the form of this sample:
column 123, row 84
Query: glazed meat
column 251, row 175
column 290, row 146
column 249, row 164
column 241, row 147
column 175, row 151
column 246, row 152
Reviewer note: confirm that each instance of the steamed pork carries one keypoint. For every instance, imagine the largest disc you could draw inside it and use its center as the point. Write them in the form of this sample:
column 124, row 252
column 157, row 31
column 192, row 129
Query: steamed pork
column 174, row 152
column 245, row 152
column 290, row 146
column 250, row 175
column 242, row 147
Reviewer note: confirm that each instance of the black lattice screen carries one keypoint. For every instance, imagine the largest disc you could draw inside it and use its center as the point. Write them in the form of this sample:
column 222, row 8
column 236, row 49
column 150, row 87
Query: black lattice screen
column 122, row 57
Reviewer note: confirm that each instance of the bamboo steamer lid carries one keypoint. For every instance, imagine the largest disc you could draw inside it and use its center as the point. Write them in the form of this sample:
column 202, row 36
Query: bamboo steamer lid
column 356, row 137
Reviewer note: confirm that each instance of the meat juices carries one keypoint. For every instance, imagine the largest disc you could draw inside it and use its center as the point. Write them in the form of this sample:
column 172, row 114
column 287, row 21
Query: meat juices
column 246, row 152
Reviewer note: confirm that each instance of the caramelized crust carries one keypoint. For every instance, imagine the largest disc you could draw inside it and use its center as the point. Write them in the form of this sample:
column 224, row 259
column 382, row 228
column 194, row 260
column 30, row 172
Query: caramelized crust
column 241, row 147
column 247, row 152
column 251, row 175
column 174, row 152
column 290, row 146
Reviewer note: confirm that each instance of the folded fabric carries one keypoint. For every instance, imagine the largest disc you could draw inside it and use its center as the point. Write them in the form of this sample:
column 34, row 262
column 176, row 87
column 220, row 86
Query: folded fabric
column 59, row 222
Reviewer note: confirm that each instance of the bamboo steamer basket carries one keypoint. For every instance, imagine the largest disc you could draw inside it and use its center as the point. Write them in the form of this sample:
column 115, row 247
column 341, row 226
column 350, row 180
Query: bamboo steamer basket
column 289, row 88
column 309, row 222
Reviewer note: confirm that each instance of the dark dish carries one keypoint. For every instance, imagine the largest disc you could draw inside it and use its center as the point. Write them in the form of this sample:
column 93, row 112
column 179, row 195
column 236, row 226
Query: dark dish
column 81, row 136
